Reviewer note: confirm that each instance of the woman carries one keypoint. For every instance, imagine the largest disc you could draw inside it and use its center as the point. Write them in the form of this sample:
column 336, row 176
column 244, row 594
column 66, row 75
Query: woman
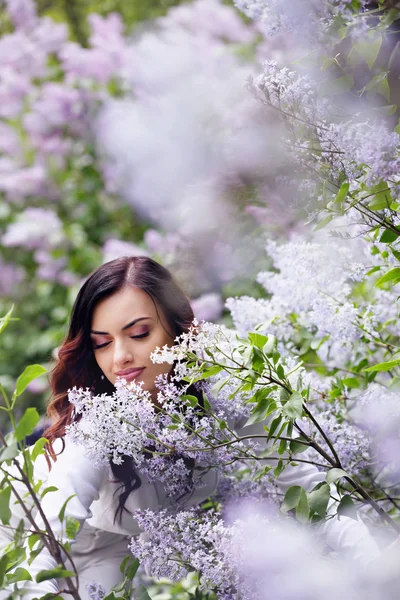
column 124, row 310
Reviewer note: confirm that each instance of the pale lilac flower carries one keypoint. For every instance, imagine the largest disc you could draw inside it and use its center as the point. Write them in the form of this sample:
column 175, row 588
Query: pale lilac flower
column 26, row 181
column 34, row 228
column 95, row 591
column 10, row 277
column 117, row 248
column 209, row 17
column 207, row 307
column 13, row 90
column 22, row 13
column 9, row 141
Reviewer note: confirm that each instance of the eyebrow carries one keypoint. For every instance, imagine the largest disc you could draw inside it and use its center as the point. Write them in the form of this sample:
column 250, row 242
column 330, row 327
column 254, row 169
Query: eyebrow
column 125, row 326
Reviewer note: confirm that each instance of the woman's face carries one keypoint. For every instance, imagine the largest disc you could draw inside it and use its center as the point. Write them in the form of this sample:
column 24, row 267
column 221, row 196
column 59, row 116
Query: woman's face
column 125, row 329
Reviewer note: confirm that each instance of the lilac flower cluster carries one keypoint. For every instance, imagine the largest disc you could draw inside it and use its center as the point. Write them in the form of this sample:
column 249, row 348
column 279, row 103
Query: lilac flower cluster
column 178, row 542
column 377, row 411
column 351, row 443
column 310, row 289
column 255, row 554
column 163, row 439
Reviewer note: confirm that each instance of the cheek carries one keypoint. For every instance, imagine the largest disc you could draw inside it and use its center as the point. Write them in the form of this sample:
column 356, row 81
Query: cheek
column 102, row 362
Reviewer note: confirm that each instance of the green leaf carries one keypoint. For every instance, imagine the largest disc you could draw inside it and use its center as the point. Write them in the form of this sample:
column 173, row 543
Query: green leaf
column 38, row 448
column 279, row 468
column 3, row 567
column 19, row 574
column 318, row 498
column 270, row 345
column 11, row 451
column 33, row 539
column 337, row 86
column 57, row 573
column 261, row 411
column 29, row 374
column 71, row 527
column 383, row 366
column 5, row 320
column 351, row 382
column 389, row 17
column 296, row 446
column 291, row 498
column 210, row 371
column 274, row 426
column 381, row 198
column 218, row 385
column 63, row 508
column 5, row 512
column 388, row 236
column 51, row 488
column 27, row 423
column 132, row 569
column 258, row 340
column 392, row 277
column 321, row 224
column 369, row 50
column 141, row 593
column 347, row 507
column 303, row 509
column 342, row 193
column 191, row 400
column 334, row 475
column 294, row 406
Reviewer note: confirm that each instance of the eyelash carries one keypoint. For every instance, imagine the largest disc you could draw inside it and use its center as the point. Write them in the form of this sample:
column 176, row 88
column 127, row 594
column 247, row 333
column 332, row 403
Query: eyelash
column 133, row 337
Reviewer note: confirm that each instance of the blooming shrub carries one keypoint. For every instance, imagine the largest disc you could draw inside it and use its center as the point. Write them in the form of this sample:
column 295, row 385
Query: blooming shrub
column 303, row 377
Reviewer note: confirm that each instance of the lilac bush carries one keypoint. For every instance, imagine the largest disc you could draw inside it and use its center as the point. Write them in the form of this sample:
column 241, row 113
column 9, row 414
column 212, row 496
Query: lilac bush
column 202, row 140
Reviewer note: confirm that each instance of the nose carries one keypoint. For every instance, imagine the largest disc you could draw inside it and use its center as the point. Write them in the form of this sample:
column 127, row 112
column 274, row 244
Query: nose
column 122, row 354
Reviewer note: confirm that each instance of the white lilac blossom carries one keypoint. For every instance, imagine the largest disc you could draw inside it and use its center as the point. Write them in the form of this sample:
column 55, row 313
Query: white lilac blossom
column 356, row 148
column 305, row 20
column 311, row 288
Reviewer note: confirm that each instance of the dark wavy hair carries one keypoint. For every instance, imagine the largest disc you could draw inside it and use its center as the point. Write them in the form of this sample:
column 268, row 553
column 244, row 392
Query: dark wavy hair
column 76, row 364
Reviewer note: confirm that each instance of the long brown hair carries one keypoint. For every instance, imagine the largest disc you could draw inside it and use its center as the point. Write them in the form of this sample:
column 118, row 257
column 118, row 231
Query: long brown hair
column 76, row 364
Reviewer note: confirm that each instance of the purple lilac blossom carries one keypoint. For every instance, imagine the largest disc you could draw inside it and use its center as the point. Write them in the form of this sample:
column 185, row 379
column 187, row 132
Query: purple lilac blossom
column 159, row 441
column 22, row 13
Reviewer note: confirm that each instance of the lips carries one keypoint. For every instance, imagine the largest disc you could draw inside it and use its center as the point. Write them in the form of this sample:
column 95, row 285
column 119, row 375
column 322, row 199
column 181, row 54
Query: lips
column 130, row 374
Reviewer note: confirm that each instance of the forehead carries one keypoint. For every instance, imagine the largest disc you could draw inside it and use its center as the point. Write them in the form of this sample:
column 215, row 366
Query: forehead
column 115, row 311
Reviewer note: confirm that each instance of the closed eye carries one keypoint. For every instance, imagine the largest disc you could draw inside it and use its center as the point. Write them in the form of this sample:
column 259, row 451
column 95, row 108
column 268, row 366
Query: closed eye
column 134, row 337
column 98, row 346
